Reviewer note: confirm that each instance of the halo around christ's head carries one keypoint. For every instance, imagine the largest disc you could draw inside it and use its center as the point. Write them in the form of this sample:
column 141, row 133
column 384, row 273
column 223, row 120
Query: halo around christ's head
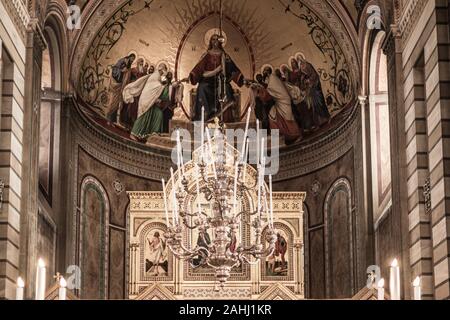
column 212, row 32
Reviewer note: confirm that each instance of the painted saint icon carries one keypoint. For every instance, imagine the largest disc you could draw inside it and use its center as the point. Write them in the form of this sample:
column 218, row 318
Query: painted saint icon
column 156, row 255
column 277, row 264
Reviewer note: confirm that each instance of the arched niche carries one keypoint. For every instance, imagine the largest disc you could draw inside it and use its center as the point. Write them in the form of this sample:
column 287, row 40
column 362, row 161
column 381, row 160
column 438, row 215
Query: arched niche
column 380, row 139
column 340, row 232
column 284, row 232
column 93, row 239
column 50, row 111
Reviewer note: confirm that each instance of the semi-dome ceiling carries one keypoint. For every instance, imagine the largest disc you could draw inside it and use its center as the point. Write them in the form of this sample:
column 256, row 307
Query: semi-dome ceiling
column 258, row 33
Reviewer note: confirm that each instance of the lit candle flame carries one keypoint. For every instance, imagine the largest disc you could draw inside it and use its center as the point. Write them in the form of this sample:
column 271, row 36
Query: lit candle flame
column 394, row 263
column 416, row 282
column 20, row 283
column 62, row 282
column 41, row 263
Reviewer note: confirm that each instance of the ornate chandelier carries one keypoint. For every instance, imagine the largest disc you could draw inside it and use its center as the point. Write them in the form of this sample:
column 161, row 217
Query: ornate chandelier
column 220, row 178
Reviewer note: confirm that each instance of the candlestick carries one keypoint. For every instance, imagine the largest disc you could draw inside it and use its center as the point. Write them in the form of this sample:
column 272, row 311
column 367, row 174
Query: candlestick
column 244, row 176
column 40, row 280
column 417, row 289
column 20, row 288
column 166, row 210
column 62, row 289
column 262, row 149
column 380, row 287
column 265, row 205
column 394, row 281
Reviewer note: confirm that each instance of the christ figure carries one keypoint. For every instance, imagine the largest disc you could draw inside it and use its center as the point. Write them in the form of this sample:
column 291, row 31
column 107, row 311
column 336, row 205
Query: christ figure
column 214, row 73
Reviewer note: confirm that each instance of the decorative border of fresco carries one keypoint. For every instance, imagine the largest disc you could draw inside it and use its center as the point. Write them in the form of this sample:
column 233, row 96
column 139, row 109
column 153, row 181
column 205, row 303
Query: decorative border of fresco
column 148, row 162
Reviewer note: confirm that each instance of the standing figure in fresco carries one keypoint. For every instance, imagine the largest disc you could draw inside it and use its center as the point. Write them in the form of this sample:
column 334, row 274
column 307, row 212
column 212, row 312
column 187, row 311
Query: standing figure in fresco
column 271, row 264
column 151, row 69
column 281, row 249
column 169, row 100
column 312, row 111
column 294, row 73
column 203, row 241
column 281, row 116
column 146, row 66
column 129, row 111
column 156, row 258
column 155, row 90
column 276, row 262
column 291, row 81
column 285, row 72
column 233, row 243
column 208, row 74
column 260, row 100
column 120, row 77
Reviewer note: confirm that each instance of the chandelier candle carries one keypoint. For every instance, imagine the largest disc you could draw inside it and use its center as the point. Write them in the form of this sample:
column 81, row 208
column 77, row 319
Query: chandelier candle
column 271, row 202
column 165, row 202
column 257, row 140
column 202, row 133
column 261, row 176
column 180, row 160
column 244, row 142
column 199, row 207
column 244, row 162
column 175, row 202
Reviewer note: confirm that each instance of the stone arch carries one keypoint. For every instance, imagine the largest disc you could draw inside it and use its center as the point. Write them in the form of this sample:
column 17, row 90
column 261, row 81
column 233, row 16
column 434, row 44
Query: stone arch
column 366, row 38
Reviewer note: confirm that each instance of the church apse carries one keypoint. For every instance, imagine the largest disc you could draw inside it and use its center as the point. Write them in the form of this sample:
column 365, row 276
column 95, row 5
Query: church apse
column 154, row 65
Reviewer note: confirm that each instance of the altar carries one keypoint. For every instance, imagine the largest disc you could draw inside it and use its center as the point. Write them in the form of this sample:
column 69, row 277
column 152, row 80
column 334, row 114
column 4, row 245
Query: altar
column 279, row 276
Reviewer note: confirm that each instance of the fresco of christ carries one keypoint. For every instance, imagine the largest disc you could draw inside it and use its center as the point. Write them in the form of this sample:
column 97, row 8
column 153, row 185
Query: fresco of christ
column 209, row 74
